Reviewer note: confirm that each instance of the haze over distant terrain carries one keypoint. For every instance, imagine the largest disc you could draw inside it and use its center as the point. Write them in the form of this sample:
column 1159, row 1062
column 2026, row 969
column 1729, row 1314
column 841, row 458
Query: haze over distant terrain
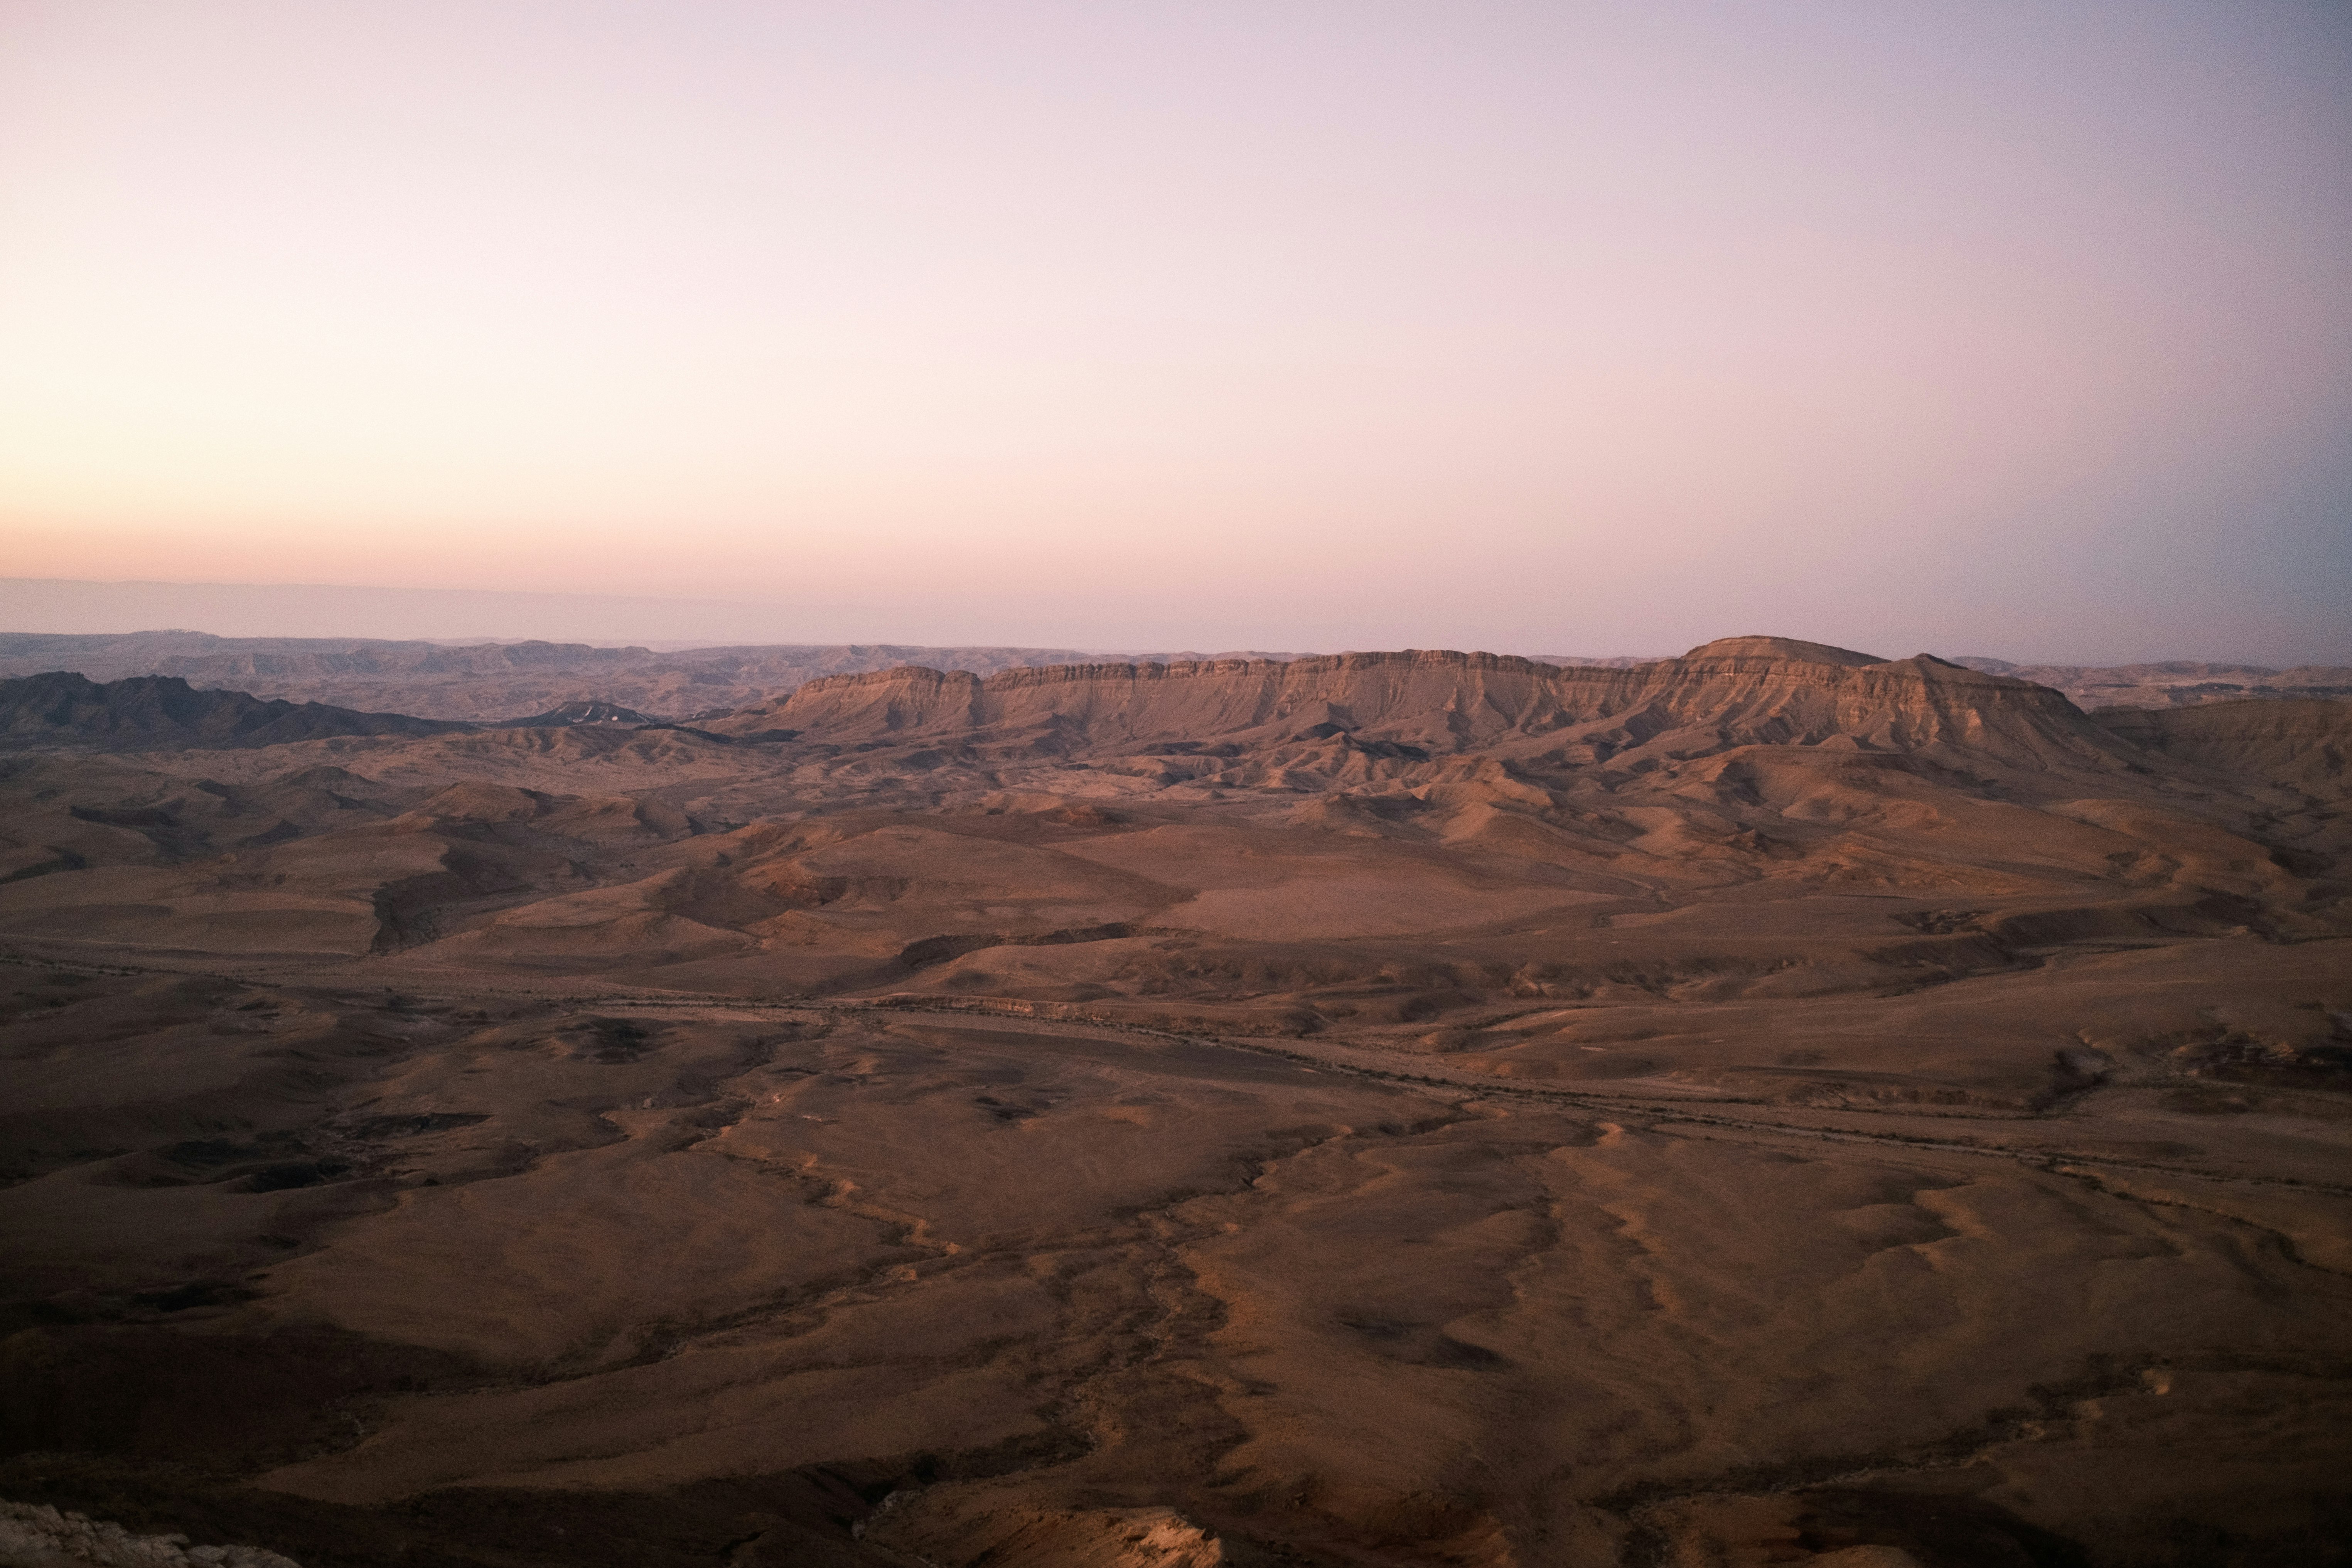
column 80, row 608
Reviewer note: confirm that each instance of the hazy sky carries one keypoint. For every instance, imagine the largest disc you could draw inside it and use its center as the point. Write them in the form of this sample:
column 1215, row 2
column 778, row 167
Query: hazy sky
column 2021, row 328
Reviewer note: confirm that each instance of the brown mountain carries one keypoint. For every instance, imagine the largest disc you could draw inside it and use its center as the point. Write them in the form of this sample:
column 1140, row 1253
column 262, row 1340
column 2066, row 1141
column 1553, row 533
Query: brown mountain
column 489, row 681
column 65, row 710
column 1775, row 1105
column 1415, row 705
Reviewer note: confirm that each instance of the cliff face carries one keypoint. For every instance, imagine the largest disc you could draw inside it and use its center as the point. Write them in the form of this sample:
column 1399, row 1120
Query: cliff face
column 1737, row 691
column 159, row 711
column 1400, row 696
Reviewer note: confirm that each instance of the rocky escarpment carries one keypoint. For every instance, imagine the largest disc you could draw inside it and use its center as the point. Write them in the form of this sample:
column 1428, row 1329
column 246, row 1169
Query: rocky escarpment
column 1737, row 691
column 62, row 711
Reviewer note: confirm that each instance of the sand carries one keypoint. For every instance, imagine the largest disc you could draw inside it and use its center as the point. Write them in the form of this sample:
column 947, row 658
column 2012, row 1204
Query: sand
column 1776, row 1105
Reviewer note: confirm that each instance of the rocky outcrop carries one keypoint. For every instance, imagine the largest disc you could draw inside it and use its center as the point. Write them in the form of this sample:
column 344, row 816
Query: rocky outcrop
column 34, row 1535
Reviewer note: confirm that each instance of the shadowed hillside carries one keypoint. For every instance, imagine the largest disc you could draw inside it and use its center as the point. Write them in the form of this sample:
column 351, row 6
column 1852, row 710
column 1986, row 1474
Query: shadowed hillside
column 2306, row 746
column 161, row 712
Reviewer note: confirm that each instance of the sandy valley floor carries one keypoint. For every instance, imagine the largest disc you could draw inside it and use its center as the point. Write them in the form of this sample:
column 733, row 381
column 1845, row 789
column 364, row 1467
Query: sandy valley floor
column 1777, row 1105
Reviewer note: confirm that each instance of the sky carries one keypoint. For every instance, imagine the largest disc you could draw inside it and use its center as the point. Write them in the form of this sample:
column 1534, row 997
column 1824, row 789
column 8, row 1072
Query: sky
column 2012, row 329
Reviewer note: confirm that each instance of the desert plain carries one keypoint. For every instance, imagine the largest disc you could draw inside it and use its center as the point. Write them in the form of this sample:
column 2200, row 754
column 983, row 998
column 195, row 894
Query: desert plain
column 1780, row 1104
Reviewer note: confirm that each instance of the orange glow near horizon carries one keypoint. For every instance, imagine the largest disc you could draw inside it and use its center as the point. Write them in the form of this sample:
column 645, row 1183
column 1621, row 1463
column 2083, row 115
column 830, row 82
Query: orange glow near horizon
column 1526, row 326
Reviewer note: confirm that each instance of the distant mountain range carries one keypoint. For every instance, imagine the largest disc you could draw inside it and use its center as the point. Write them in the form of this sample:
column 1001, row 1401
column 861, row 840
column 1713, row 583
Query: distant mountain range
column 2174, row 683
column 489, row 682
column 60, row 709
column 1337, row 714
column 161, row 712
column 1321, row 721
